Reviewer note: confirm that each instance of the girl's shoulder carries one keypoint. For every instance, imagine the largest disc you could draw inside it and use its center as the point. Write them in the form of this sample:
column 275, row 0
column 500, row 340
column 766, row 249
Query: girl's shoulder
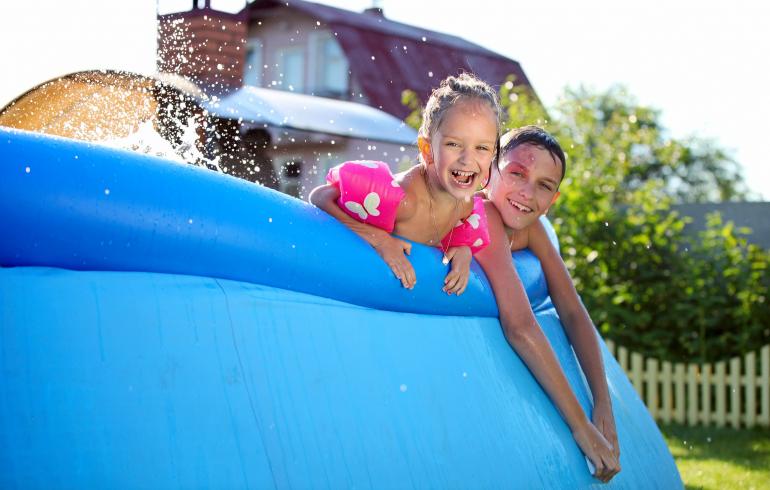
column 369, row 192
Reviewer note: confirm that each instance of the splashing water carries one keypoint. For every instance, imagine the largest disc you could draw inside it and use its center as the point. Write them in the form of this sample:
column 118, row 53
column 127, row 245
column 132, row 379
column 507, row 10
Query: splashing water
column 147, row 140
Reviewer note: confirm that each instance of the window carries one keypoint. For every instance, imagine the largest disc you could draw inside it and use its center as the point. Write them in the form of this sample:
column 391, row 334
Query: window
column 330, row 67
column 292, row 63
column 252, row 72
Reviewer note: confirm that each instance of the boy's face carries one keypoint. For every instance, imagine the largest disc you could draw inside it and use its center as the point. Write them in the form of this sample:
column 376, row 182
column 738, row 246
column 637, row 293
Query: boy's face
column 526, row 186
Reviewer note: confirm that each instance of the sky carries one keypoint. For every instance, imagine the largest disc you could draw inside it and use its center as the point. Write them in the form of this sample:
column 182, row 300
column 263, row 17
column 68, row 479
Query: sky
column 703, row 63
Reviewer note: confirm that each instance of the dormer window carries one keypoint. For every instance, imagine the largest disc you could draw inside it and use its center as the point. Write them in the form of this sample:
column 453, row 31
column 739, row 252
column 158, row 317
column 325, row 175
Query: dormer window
column 252, row 73
column 292, row 66
column 330, row 67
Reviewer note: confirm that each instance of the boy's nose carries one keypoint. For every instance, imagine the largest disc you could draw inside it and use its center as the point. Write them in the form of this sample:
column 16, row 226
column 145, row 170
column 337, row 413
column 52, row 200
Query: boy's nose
column 526, row 190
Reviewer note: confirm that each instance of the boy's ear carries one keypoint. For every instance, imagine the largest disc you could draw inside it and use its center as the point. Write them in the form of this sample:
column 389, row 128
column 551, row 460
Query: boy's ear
column 424, row 146
column 555, row 197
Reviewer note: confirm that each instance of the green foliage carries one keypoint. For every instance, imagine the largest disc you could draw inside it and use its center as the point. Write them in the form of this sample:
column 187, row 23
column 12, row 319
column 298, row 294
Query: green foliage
column 647, row 284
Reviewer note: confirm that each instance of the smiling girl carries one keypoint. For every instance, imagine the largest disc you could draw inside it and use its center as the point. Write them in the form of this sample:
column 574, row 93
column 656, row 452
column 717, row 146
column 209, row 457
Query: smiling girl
column 433, row 202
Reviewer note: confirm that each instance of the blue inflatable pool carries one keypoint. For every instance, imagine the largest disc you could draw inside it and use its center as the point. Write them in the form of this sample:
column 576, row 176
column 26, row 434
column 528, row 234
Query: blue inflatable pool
column 164, row 326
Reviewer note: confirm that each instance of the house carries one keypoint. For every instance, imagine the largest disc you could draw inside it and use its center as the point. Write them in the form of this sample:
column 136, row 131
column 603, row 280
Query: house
column 327, row 53
column 752, row 215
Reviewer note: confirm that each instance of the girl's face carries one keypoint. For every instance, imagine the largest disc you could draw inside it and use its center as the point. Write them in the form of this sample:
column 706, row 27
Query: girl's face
column 526, row 186
column 460, row 152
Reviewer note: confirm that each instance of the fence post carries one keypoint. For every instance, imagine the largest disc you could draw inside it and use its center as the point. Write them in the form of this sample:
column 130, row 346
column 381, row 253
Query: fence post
column 610, row 347
column 652, row 387
column 623, row 359
column 735, row 392
column 637, row 361
column 765, row 387
column 679, row 400
column 705, row 393
column 692, row 394
column 667, row 398
column 751, row 389
column 719, row 386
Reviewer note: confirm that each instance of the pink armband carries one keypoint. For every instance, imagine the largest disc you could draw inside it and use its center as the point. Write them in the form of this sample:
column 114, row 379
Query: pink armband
column 471, row 231
column 368, row 192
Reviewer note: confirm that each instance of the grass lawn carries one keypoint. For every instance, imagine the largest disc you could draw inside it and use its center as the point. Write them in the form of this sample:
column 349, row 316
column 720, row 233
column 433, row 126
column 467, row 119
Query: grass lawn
column 716, row 459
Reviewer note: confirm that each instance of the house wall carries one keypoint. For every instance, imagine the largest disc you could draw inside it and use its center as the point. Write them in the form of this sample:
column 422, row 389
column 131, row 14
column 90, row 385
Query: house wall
column 753, row 215
column 318, row 157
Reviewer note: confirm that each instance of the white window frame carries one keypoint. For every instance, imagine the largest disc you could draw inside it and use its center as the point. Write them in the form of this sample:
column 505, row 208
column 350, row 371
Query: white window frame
column 254, row 76
column 292, row 50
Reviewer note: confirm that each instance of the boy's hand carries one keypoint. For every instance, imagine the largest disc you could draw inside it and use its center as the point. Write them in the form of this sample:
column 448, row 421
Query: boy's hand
column 598, row 451
column 457, row 279
column 605, row 422
column 392, row 251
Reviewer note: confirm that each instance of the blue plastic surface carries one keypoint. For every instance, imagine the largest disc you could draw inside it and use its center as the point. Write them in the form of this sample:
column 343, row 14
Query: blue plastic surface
column 163, row 326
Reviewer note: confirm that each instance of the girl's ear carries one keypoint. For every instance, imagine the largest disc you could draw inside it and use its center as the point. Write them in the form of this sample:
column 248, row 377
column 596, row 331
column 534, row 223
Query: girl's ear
column 425, row 151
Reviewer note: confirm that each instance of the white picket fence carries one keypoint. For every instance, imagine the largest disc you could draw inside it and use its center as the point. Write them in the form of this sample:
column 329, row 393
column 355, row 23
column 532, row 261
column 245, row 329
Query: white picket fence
column 734, row 392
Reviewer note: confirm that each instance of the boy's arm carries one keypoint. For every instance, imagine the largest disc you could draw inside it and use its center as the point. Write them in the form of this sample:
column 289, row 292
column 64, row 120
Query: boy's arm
column 578, row 326
column 527, row 339
column 390, row 248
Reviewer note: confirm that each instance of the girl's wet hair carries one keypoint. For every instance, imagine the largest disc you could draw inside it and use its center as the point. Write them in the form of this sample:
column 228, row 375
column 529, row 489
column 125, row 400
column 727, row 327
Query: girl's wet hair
column 537, row 136
column 466, row 86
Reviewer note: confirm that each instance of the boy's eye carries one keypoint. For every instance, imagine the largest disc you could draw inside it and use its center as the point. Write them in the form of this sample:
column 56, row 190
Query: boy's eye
column 482, row 148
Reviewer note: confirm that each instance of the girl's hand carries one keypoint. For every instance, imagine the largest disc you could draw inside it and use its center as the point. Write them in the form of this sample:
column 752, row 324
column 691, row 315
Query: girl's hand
column 598, row 451
column 457, row 279
column 605, row 422
column 392, row 251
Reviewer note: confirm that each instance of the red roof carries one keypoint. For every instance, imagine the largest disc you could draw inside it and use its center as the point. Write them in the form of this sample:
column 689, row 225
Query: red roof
column 388, row 57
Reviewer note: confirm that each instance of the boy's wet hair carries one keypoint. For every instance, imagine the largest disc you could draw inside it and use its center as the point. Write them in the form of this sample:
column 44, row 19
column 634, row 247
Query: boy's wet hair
column 453, row 89
column 537, row 136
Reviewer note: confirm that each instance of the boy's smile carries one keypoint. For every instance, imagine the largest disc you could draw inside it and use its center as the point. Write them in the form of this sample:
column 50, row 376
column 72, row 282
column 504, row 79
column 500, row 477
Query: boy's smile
column 526, row 186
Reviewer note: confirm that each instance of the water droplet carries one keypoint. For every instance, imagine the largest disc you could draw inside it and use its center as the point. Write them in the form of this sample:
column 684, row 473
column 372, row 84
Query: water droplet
column 190, row 221
column 27, row 170
column 430, row 74
column 403, row 388
column 465, row 375
column 269, row 220
column 424, row 38
column 106, row 192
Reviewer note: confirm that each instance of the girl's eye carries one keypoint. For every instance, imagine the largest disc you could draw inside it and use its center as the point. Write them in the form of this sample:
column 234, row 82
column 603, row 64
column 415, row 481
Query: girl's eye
column 546, row 187
column 482, row 148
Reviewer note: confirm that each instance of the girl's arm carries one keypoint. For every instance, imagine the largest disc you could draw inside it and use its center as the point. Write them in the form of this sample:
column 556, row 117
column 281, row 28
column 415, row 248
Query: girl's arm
column 579, row 327
column 457, row 280
column 390, row 248
column 527, row 339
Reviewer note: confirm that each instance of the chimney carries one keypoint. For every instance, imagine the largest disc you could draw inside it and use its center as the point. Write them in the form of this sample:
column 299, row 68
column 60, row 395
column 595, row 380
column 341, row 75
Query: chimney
column 374, row 12
column 197, row 4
